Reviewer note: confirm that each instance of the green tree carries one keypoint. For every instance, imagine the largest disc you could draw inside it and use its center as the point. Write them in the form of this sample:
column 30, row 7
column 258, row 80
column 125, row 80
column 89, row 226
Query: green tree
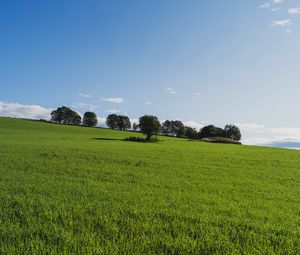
column 178, row 128
column 112, row 121
column 149, row 125
column 90, row 119
column 211, row 131
column 135, row 126
column 233, row 132
column 74, row 119
column 173, row 128
column 64, row 115
column 123, row 122
column 167, row 128
column 191, row 133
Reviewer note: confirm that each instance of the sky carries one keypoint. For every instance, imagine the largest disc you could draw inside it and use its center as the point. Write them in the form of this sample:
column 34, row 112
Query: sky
column 202, row 62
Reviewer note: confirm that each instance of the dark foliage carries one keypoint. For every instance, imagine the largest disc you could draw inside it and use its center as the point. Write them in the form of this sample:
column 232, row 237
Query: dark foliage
column 232, row 132
column 123, row 122
column 149, row 125
column 173, row 128
column 211, row 131
column 191, row 133
column 90, row 119
column 64, row 115
column 221, row 140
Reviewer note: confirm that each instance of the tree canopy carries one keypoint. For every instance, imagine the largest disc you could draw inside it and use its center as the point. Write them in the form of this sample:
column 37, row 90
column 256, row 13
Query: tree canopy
column 64, row 115
column 149, row 125
column 230, row 131
column 90, row 119
column 123, row 122
column 120, row 122
column 173, row 128
column 211, row 131
column 112, row 121
column 233, row 132
column 191, row 133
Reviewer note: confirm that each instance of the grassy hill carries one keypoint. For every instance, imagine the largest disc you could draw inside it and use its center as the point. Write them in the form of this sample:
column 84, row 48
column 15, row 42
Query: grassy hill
column 82, row 190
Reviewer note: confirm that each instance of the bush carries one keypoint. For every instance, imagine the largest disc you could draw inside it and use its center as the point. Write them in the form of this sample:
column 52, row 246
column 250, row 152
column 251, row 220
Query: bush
column 220, row 140
column 142, row 140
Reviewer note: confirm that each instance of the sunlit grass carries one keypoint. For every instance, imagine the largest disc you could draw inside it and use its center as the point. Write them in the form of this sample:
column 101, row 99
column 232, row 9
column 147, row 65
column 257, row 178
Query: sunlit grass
column 86, row 191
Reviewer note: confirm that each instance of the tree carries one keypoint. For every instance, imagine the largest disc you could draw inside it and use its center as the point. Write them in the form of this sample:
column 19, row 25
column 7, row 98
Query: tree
column 149, row 125
column 112, row 121
column 135, row 126
column 59, row 114
column 74, row 119
column 191, row 133
column 167, row 128
column 90, row 119
column 211, row 131
column 173, row 128
column 123, row 122
column 64, row 115
column 233, row 132
column 178, row 128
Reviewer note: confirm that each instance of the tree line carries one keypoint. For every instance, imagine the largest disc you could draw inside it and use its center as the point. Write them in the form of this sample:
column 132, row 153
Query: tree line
column 148, row 125
column 65, row 115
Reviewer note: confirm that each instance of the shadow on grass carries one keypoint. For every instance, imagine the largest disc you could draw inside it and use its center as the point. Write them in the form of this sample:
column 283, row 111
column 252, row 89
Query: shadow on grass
column 107, row 139
column 127, row 139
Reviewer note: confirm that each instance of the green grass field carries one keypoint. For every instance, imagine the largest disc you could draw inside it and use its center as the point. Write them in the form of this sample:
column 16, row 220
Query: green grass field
column 75, row 190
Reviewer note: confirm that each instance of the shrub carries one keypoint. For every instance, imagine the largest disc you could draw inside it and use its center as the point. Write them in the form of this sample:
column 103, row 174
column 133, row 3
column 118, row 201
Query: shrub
column 220, row 140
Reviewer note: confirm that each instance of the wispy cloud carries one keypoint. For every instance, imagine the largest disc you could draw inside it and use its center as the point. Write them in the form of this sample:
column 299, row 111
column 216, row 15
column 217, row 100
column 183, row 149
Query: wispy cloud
column 113, row 111
column 148, row 103
column 265, row 6
column 282, row 22
column 17, row 110
column 271, row 5
column 114, row 100
column 85, row 95
column 275, row 9
column 294, row 10
column 170, row 91
column 251, row 127
column 84, row 106
column 281, row 7
column 257, row 134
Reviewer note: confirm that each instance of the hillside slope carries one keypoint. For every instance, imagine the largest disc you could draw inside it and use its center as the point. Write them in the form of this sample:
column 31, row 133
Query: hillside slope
column 86, row 191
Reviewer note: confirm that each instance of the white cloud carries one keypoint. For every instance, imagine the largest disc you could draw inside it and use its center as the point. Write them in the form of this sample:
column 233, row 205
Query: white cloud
column 264, row 6
column 170, row 91
column 17, row 110
column 101, row 122
column 294, row 11
column 283, row 137
column 278, row 1
column 114, row 100
column 251, row 127
column 282, row 23
column 84, row 106
column 194, row 124
column 85, row 95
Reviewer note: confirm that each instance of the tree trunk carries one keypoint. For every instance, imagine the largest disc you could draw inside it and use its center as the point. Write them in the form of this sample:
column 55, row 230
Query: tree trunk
column 148, row 137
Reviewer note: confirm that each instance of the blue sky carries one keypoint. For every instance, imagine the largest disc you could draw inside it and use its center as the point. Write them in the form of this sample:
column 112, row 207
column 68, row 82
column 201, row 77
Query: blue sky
column 201, row 62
